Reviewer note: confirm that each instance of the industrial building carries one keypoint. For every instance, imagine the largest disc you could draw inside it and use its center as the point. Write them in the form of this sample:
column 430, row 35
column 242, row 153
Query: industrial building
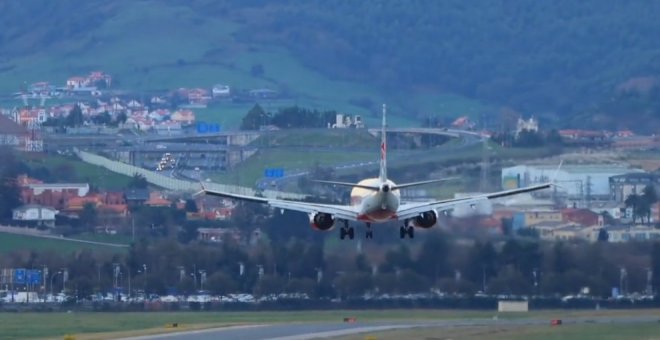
column 577, row 182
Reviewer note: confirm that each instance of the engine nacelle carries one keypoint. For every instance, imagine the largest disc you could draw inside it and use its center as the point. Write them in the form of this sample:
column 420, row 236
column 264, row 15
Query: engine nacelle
column 425, row 220
column 322, row 221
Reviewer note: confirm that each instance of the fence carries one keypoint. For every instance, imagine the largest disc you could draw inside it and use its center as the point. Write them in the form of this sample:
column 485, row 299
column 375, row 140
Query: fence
column 176, row 184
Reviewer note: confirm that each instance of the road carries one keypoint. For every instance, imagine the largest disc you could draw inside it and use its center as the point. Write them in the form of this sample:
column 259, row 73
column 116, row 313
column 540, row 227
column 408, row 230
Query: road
column 299, row 331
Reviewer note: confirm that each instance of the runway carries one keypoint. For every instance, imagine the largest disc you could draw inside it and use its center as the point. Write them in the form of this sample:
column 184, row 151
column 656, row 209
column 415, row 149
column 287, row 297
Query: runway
column 299, row 331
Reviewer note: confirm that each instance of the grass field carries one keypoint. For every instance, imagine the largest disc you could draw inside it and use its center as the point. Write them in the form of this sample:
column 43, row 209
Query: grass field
column 145, row 51
column 545, row 332
column 13, row 242
column 80, row 171
column 106, row 325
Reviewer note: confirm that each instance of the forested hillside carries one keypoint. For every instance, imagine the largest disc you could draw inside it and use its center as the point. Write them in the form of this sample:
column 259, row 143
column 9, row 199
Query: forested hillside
column 555, row 58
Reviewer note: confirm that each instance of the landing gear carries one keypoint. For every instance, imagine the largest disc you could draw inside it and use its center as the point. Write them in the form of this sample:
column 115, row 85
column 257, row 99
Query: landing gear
column 346, row 231
column 370, row 233
column 407, row 231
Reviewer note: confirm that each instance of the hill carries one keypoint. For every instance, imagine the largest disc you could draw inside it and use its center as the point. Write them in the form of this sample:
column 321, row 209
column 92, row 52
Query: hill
column 553, row 58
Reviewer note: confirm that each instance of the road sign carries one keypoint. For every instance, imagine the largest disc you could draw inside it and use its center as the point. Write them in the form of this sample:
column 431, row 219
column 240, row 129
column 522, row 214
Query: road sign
column 33, row 277
column 20, row 276
column 274, row 173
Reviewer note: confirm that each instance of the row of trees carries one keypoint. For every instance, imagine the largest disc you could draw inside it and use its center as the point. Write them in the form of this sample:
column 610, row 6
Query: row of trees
column 75, row 118
column 297, row 266
column 641, row 203
column 287, row 118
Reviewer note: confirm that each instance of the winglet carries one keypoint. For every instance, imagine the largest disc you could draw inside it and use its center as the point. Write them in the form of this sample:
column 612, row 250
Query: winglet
column 203, row 191
column 553, row 180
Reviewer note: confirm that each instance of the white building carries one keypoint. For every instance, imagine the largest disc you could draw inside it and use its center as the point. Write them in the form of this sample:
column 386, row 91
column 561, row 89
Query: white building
column 81, row 189
column 33, row 213
column 220, row 90
column 576, row 181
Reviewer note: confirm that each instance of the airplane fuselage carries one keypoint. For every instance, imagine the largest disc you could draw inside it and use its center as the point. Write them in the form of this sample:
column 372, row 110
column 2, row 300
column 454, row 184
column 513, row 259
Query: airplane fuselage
column 376, row 206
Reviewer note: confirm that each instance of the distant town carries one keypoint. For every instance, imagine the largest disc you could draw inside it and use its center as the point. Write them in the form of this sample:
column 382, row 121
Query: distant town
column 146, row 154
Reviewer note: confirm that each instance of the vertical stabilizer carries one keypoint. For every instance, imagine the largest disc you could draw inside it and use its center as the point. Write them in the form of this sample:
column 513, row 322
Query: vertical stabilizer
column 383, row 149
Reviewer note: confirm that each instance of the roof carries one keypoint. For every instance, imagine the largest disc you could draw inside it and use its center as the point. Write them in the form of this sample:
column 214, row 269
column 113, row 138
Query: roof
column 137, row 194
column 33, row 206
column 9, row 127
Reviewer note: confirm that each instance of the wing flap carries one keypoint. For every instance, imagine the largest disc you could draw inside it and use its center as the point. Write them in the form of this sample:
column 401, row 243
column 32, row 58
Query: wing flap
column 339, row 211
column 413, row 209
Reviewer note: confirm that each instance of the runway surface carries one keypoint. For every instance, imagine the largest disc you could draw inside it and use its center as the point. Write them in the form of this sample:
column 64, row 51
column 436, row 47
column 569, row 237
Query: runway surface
column 299, row 331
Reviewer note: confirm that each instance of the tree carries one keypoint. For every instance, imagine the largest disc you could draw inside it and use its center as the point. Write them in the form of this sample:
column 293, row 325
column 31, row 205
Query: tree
column 138, row 181
column 88, row 215
column 9, row 191
column 633, row 201
column 75, row 117
column 255, row 118
column 603, row 235
column 655, row 264
column 121, row 118
column 191, row 206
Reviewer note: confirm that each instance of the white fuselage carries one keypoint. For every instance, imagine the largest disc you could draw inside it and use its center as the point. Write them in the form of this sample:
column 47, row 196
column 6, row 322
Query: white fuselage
column 375, row 206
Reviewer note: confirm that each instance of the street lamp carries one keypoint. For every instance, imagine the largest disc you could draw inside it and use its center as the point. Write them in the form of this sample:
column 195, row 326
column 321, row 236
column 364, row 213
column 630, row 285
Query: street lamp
column 144, row 266
column 202, row 276
column 51, row 282
column 194, row 275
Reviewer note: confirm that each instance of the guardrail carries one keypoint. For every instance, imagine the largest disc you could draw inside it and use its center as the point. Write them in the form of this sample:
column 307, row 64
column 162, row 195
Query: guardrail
column 175, row 183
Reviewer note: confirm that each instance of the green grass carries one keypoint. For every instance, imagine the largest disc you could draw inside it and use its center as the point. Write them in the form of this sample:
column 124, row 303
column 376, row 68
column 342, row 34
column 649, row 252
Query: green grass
column 83, row 172
column 39, row 325
column 564, row 332
column 339, row 138
column 106, row 238
column 248, row 172
column 148, row 46
column 11, row 242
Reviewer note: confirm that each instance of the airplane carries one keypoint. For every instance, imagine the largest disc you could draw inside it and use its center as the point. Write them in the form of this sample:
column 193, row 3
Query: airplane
column 377, row 200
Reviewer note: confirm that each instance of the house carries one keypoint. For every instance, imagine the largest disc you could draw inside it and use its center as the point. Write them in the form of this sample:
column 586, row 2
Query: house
column 584, row 217
column 11, row 134
column 632, row 233
column 76, row 82
column 220, row 90
column 156, row 199
column 184, row 117
column 35, row 214
column 136, row 197
column 533, row 217
column 96, row 77
column 531, row 125
column 55, row 195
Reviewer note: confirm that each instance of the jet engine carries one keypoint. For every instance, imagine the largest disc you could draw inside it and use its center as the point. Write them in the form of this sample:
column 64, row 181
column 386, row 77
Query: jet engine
column 425, row 220
column 322, row 221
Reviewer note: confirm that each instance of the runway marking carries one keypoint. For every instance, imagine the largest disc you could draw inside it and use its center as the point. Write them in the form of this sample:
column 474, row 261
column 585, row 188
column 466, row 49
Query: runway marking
column 184, row 332
column 342, row 332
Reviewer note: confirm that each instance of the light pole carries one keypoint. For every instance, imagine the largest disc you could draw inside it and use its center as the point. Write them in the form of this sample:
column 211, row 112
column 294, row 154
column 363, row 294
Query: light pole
column 51, row 282
column 536, row 280
column 144, row 266
column 202, row 278
column 194, row 275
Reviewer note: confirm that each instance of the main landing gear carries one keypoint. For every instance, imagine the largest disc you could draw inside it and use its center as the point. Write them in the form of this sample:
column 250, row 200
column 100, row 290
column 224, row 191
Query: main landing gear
column 370, row 233
column 406, row 230
column 346, row 231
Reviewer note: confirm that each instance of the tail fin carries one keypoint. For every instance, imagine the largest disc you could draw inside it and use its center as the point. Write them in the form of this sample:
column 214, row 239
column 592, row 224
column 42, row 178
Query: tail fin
column 383, row 149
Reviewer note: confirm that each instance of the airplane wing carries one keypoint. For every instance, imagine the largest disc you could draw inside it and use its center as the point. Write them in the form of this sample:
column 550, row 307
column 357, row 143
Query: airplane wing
column 410, row 210
column 339, row 211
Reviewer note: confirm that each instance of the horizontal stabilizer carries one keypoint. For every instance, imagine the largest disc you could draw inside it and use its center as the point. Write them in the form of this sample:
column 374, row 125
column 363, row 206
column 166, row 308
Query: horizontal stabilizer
column 352, row 185
column 406, row 185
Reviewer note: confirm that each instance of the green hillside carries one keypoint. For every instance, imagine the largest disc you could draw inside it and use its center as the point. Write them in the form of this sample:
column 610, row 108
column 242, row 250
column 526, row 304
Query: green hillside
column 547, row 58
